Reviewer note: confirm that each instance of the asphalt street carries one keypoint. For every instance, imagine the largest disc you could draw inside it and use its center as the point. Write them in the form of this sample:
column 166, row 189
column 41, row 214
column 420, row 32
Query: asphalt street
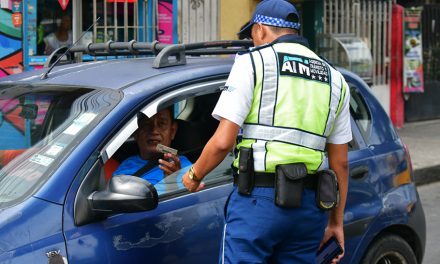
column 423, row 141
column 430, row 197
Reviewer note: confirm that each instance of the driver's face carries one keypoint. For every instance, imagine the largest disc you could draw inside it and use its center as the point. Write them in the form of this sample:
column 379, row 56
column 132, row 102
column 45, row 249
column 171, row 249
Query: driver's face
column 160, row 128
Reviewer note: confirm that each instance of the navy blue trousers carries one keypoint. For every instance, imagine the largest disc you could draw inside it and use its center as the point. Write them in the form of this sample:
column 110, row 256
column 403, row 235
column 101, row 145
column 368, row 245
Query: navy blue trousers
column 258, row 231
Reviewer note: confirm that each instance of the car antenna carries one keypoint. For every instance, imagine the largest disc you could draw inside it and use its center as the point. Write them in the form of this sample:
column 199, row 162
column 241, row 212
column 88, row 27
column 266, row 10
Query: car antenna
column 44, row 75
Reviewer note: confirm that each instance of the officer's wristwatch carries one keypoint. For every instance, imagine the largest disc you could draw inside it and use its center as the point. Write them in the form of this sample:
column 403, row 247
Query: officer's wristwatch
column 192, row 175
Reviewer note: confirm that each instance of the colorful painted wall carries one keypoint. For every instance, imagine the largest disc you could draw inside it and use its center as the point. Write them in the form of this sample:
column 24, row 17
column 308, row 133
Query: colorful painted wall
column 11, row 52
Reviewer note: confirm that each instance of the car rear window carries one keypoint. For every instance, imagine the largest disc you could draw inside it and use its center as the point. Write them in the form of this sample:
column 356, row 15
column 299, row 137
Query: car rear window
column 39, row 126
column 360, row 112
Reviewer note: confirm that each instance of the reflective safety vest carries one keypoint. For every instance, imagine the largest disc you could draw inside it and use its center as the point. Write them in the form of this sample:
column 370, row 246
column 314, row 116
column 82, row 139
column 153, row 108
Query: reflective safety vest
column 296, row 99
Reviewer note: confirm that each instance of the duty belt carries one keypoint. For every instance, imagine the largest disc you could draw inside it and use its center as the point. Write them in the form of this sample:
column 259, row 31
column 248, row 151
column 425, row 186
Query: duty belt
column 264, row 179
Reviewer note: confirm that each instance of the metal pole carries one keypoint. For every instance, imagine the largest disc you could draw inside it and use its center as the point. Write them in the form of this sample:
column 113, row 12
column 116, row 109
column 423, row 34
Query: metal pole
column 324, row 20
column 94, row 19
column 379, row 41
column 347, row 17
column 76, row 17
column 185, row 21
column 390, row 20
column 77, row 23
column 369, row 25
column 135, row 21
column 105, row 22
column 337, row 17
column 375, row 43
column 125, row 21
column 115, row 21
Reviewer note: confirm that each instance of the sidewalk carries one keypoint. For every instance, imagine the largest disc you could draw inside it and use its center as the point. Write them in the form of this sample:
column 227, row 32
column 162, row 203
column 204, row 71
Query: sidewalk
column 423, row 141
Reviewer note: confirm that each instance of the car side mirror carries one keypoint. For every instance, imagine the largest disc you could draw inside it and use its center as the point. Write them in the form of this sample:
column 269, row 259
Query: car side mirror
column 124, row 194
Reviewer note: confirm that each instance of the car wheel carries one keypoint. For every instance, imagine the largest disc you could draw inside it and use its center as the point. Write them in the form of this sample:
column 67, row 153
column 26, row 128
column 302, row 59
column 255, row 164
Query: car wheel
column 390, row 249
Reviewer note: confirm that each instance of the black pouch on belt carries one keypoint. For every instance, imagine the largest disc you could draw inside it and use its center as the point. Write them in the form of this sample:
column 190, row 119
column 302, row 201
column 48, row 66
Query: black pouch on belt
column 289, row 184
column 327, row 192
column 246, row 175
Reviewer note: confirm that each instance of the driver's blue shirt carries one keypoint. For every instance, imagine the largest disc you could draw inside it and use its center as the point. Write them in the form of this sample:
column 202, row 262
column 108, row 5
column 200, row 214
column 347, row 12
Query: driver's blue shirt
column 155, row 175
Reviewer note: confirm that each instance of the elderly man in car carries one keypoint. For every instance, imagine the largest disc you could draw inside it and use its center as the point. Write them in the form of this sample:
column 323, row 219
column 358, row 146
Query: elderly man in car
column 151, row 164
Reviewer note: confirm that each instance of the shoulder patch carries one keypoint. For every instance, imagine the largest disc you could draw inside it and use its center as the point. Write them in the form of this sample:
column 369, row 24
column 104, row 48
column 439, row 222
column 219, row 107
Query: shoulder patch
column 299, row 66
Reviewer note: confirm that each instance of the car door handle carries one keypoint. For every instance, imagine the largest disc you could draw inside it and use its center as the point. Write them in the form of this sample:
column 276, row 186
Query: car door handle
column 359, row 172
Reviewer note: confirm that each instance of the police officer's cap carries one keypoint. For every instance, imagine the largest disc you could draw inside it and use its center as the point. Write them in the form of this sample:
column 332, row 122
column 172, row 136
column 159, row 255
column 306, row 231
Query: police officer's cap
column 276, row 13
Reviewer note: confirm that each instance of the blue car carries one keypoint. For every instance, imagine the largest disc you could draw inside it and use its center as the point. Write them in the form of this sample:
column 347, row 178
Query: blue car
column 65, row 129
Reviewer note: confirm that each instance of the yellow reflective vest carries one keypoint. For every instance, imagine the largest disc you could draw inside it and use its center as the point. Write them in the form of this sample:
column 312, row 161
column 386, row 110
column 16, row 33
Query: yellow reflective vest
column 296, row 98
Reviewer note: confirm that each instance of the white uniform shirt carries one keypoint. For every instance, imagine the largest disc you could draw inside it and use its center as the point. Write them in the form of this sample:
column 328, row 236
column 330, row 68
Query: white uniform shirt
column 235, row 103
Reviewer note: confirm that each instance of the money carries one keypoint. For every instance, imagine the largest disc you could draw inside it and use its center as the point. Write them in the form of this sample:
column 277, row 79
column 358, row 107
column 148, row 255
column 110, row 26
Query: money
column 164, row 149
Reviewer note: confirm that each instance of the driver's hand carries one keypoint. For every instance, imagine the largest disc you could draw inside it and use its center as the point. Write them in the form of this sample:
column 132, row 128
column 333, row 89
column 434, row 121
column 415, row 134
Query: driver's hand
column 169, row 164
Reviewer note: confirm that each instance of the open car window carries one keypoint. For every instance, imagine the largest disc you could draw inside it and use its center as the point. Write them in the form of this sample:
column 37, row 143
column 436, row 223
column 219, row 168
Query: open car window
column 196, row 127
column 360, row 112
column 192, row 113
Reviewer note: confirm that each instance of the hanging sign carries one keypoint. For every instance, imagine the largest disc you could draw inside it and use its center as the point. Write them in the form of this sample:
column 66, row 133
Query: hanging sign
column 17, row 20
column 413, row 55
column 16, row 6
column 165, row 23
column 63, row 4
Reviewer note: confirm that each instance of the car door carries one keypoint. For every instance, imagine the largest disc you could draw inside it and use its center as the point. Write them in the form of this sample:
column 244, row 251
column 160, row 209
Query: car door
column 185, row 227
column 363, row 202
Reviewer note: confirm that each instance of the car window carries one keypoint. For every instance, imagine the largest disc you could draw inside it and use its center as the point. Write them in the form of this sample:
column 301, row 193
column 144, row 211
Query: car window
column 38, row 125
column 360, row 112
column 195, row 126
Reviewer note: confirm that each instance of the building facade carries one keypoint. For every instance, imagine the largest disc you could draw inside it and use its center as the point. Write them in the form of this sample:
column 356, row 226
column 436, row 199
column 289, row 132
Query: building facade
column 355, row 34
column 424, row 105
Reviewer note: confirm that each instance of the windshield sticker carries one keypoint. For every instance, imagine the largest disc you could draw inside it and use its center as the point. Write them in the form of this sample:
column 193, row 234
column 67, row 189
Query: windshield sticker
column 41, row 160
column 73, row 129
column 55, row 149
column 86, row 118
column 79, row 123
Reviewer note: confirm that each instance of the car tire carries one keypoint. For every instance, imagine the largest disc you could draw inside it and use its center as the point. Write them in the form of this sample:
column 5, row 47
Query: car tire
column 390, row 249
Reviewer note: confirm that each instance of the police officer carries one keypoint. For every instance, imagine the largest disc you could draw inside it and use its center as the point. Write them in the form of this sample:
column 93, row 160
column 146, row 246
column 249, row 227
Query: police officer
column 293, row 108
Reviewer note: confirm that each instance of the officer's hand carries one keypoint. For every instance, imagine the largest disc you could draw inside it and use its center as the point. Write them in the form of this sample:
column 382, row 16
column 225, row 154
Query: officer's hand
column 170, row 163
column 338, row 232
column 191, row 185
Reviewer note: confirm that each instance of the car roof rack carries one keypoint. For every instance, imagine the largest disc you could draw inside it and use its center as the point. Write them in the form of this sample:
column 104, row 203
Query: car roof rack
column 163, row 52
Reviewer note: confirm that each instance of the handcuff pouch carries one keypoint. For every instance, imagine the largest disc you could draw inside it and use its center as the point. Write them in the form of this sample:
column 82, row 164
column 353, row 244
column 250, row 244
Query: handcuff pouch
column 246, row 175
column 289, row 184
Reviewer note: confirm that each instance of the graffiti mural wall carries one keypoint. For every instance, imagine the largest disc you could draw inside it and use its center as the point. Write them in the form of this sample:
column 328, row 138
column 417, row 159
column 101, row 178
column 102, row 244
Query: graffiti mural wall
column 11, row 52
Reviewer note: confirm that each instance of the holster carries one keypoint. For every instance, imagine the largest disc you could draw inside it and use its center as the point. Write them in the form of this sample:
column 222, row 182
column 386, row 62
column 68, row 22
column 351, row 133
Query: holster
column 246, row 175
column 289, row 184
column 327, row 192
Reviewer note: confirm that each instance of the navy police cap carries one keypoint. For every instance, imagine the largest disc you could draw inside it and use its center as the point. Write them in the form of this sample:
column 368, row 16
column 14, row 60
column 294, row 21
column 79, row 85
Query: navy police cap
column 273, row 13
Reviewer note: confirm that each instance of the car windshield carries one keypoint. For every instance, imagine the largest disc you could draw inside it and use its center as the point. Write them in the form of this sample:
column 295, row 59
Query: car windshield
column 39, row 126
